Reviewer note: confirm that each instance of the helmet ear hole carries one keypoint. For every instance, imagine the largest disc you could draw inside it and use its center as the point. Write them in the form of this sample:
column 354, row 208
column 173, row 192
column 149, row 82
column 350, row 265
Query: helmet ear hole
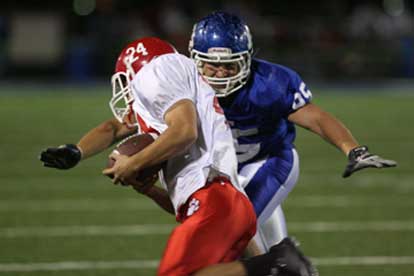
column 123, row 80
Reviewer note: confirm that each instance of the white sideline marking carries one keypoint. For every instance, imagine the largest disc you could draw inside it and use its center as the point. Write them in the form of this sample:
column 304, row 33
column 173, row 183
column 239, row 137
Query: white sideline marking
column 103, row 205
column 346, row 226
column 164, row 229
column 79, row 205
column 364, row 260
column 86, row 230
column 347, row 201
column 151, row 264
column 82, row 265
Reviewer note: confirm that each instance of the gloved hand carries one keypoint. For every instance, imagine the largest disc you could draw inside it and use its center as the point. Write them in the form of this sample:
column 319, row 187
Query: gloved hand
column 63, row 157
column 360, row 158
column 290, row 261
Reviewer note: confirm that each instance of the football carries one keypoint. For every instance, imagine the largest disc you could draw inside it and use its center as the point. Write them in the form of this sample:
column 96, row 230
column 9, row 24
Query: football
column 131, row 145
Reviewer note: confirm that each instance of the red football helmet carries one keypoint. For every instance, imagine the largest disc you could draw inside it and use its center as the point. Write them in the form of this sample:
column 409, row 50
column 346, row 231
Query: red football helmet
column 132, row 58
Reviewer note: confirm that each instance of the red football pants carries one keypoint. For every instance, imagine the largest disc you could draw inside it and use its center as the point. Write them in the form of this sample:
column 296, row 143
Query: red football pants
column 218, row 222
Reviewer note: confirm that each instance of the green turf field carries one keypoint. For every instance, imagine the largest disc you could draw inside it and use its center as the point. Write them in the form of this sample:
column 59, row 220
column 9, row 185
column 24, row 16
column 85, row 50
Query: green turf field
column 77, row 223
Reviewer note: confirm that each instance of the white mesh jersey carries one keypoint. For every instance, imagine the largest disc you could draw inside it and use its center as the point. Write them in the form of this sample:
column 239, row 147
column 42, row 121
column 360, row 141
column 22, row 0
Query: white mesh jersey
column 159, row 85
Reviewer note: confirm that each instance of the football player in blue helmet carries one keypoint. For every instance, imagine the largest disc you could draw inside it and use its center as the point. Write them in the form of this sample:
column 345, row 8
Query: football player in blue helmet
column 263, row 102
column 223, row 39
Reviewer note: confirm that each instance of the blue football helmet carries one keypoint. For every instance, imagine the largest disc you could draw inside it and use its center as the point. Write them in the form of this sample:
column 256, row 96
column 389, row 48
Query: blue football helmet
column 222, row 38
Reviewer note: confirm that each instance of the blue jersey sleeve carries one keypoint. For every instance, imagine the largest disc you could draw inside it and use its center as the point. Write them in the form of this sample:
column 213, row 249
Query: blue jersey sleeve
column 297, row 93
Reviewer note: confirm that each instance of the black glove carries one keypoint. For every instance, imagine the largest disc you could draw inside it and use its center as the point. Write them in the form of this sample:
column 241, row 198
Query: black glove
column 290, row 261
column 283, row 259
column 63, row 157
column 360, row 158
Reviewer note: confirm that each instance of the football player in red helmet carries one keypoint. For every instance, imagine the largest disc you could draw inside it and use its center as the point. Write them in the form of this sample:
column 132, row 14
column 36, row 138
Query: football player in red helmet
column 132, row 58
column 156, row 90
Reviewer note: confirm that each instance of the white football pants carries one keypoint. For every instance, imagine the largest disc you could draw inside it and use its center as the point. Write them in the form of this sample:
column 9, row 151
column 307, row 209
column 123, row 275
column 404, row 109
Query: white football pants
column 271, row 222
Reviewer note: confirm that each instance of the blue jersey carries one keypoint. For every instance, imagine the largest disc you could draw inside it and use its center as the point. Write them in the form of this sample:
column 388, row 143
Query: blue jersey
column 257, row 113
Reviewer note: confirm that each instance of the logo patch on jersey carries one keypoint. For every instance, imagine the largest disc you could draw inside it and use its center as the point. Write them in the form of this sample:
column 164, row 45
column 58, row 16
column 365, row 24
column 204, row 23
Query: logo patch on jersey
column 193, row 206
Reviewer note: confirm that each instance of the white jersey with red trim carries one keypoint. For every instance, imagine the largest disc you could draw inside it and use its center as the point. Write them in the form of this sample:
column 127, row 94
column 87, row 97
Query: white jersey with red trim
column 156, row 87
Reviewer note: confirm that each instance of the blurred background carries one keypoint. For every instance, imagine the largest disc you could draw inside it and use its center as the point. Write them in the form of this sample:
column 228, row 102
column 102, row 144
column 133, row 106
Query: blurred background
column 79, row 40
column 56, row 60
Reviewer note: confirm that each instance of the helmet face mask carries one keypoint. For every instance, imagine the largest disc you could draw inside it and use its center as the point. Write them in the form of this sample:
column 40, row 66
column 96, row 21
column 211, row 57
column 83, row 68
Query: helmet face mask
column 132, row 58
column 224, row 86
column 122, row 97
column 222, row 38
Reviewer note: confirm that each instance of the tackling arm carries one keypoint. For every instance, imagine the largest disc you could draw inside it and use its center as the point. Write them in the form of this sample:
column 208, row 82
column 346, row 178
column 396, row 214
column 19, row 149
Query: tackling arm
column 102, row 137
column 325, row 125
column 331, row 129
column 96, row 140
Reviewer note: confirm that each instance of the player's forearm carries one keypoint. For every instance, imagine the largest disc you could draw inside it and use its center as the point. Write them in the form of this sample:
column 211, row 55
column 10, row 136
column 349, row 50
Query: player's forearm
column 335, row 132
column 180, row 135
column 171, row 143
column 101, row 137
column 161, row 197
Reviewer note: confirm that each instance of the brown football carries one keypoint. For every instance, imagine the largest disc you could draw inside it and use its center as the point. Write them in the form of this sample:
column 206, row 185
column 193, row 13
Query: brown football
column 134, row 144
